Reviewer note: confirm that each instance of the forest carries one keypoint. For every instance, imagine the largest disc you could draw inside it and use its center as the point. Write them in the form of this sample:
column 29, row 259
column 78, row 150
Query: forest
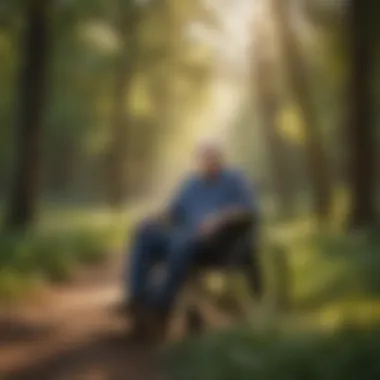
column 101, row 104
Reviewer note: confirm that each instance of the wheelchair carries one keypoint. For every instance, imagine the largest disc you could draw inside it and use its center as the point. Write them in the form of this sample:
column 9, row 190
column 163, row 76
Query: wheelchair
column 237, row 251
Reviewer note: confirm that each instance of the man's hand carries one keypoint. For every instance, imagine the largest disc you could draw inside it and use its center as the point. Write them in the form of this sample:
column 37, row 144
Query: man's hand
column 210, row 225
column 233, row 214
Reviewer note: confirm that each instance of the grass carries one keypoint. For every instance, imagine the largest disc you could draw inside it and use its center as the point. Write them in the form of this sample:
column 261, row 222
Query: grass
column 332, row 329
column 350, row 352
column 63, row 241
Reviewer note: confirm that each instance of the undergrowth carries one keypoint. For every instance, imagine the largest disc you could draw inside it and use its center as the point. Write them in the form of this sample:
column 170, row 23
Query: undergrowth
column 55, row 250
column 350, row 353
column 331, row 331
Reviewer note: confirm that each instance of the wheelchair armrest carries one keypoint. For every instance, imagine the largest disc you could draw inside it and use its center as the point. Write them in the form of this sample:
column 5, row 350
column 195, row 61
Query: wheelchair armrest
column 227, row 257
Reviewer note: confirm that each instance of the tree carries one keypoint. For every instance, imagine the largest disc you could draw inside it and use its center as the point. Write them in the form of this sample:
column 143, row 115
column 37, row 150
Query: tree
column 361, row 132
column 267, row 97
column 298, row 83
column 30, row 111
column 119, row 124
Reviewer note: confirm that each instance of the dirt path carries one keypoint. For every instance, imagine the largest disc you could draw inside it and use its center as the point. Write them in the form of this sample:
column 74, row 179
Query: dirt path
column 73, row 335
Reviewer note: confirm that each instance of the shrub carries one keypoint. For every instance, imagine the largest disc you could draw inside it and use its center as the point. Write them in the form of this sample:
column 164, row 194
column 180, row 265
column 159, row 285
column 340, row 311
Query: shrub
column 351, row 353
column 53, row 256
column 329, row 272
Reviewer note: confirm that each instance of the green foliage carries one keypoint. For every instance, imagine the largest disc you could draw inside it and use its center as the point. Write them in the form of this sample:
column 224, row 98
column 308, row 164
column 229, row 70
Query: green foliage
column 349, row 353
column 329, row 267
column 64, row 242
column 54, row 257
column 332, row 330
column 14, row 287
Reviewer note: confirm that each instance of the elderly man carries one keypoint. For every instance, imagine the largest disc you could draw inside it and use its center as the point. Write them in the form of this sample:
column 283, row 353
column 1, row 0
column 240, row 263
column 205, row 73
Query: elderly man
column 206, row 208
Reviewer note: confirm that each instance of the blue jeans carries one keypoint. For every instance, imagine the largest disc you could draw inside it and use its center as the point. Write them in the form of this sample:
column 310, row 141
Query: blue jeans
column 178, row 250
column 152, row 244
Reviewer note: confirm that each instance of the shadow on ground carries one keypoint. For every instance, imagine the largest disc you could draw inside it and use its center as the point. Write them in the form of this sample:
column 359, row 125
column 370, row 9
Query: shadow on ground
column 15, row 331
column 108, row 357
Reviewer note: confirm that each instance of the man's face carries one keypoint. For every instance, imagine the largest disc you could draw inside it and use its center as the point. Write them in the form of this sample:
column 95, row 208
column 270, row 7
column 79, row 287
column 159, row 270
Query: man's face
column 210, row 162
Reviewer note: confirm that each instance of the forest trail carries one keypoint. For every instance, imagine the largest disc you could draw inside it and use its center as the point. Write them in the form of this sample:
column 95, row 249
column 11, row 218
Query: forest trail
column 74, row 335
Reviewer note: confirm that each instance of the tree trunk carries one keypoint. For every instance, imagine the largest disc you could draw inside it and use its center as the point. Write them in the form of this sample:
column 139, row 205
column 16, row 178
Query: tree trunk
column 25, row 187
column 296, row 70
column 267, row 99
column 361, row 132
column 118, row 150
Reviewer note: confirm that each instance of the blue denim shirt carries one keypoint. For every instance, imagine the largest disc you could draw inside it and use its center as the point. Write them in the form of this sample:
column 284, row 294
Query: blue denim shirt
column 198, row 197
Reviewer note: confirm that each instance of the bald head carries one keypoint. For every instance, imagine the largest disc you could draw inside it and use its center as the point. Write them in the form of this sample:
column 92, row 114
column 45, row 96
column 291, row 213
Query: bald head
column 210, row 158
